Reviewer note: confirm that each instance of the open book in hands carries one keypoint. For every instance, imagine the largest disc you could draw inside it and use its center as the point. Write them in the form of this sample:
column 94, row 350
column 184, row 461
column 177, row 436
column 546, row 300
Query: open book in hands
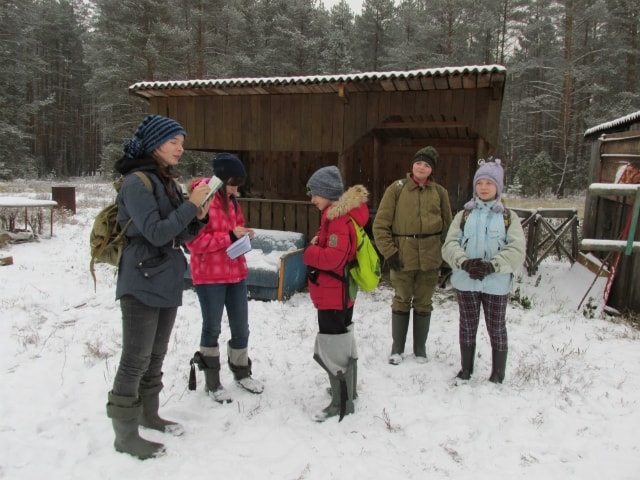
column 239, row 247
column 214, row 184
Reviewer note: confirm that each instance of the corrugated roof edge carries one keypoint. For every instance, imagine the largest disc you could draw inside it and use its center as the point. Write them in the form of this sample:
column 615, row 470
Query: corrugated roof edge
column 618, row 122
column 345, row 78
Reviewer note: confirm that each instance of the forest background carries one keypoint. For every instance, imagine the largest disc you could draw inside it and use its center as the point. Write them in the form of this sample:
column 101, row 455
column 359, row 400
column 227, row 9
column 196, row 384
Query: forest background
column 67, row 66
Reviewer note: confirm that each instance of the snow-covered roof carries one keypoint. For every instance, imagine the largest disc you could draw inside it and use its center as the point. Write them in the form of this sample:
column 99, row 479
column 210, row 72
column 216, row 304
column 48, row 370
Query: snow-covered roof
column 618, row 122
column 258, row 82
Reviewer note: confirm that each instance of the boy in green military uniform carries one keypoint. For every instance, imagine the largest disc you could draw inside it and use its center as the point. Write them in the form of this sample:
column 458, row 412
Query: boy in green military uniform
column 409, row 229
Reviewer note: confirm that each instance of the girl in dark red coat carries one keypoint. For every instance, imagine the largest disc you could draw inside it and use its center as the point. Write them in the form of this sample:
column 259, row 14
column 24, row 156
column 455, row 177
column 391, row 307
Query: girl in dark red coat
column 326, row 258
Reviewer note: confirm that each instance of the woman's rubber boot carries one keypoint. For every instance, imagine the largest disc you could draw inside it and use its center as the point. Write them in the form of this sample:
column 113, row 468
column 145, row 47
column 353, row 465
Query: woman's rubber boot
column 334, row 353
column 354, row 353
column 124, row 413
column 208, row 361
column 421, row 324
column 399, row 328
column 149, row 391
column 499, row 366
column 341, row 397
column 467, row 357
column 240, row 365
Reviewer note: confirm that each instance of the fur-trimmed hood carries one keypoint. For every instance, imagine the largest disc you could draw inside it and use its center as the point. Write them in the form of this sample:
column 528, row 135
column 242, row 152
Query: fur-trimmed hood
column 353, row 202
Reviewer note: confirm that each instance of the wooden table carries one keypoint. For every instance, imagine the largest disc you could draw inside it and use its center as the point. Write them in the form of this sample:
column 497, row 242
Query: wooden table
column 26, row 203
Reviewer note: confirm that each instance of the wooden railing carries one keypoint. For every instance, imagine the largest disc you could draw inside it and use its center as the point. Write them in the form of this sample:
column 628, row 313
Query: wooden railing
column 289, row 215
column 549, row 230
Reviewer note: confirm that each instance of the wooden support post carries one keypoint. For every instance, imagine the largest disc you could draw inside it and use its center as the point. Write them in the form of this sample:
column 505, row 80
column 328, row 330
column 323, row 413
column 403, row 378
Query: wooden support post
column 376, row 169
column 634, row 224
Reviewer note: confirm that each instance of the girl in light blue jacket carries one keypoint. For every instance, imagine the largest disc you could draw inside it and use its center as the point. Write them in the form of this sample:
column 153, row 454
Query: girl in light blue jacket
column 485, row 245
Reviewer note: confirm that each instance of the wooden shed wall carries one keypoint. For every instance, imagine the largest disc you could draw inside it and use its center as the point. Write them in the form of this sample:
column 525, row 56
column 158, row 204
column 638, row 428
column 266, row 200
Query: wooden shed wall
column 605, row 217
column 370, row 130
column 284, row 175
column 328, row 122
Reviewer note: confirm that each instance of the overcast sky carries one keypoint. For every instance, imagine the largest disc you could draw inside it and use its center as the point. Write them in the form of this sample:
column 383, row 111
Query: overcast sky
column 356, row 5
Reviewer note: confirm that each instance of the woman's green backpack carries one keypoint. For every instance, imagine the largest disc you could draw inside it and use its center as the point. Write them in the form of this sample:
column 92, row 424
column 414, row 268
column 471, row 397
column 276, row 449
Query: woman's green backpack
column 107, row 240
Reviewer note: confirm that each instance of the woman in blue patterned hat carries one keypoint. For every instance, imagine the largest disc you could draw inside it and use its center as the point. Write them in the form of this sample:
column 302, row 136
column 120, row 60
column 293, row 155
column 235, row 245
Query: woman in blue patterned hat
column 150, row 276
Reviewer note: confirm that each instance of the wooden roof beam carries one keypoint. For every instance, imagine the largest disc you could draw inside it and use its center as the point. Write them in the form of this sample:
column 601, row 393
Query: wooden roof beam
column 425, row 124
column 342, row 94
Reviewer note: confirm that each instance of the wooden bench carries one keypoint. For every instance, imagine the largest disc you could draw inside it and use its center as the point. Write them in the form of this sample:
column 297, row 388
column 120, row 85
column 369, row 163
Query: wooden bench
column 276, row 269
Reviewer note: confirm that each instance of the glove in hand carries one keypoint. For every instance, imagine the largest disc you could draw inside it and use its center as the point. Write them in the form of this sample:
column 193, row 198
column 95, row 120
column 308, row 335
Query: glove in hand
column 394, row 262
column 481, row 270
column 470, row 264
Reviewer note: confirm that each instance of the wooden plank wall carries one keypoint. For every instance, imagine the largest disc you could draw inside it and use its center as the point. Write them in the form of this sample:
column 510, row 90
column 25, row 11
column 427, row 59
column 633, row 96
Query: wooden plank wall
column 284, row 215
column 605, row 217
column 282, row 175
column 320, row 122
column 455, row 169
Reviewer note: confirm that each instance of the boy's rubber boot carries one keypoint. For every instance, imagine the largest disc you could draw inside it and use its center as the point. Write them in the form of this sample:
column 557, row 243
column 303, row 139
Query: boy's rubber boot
column 421, row 324
column 124, row 413
column 467, row 358
column 149, row 391
column 240, row 365
column 499, row 366
column 399, row 328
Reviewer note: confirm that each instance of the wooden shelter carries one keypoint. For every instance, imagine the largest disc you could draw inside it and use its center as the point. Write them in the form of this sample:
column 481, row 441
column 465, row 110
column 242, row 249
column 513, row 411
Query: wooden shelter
column 368, row 124
column 609, row 210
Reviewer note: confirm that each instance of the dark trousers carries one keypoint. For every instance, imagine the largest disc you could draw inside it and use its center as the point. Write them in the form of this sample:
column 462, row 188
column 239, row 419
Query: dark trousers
column 334, row 322
column 145, row 341
column 214, row 298
column 495, row 311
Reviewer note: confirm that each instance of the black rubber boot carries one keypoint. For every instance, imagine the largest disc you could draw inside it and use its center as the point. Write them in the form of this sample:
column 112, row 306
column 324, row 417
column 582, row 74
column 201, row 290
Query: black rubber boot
column 149, row 390
column 467, row 356
column 125, row 413
column 421, row 324
column 212, row 381
column 499, row 366
column 399, row 328
column 210, row 365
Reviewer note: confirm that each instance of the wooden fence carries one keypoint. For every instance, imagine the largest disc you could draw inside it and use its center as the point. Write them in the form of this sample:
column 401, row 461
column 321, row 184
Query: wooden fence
column 288, row 215
column 549, row 230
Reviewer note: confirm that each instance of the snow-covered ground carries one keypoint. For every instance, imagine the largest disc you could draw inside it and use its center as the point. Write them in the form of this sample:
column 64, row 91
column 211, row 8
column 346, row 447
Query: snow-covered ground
column 569, row 407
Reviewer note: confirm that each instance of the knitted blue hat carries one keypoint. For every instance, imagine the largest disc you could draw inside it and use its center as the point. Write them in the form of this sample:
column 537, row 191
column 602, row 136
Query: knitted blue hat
column 226, row 165
column 493, row 172
column 152, row 132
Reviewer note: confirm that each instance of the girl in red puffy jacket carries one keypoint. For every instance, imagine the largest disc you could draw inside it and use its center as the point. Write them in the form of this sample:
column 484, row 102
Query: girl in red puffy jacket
column 326, row 257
